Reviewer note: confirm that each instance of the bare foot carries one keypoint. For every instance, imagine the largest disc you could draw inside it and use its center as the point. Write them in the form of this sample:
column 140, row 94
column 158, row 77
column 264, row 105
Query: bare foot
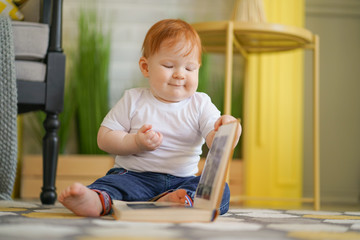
column 177, row 196
column 81, row 200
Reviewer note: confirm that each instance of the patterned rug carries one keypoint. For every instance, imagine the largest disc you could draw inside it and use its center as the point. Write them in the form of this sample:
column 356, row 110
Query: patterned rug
column 23, row 220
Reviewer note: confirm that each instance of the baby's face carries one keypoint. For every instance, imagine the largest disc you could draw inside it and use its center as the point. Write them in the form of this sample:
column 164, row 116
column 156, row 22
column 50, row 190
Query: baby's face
column 172, row 76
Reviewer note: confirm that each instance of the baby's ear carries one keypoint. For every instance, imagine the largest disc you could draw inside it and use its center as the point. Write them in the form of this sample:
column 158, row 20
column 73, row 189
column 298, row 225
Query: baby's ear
column 144, row 67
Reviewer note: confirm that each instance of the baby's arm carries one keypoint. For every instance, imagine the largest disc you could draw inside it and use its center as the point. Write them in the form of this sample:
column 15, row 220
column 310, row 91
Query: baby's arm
column 122, row 143
column 224, row 119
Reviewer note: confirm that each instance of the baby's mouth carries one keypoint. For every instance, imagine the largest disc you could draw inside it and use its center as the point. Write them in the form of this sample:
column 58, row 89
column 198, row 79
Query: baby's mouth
column 176, row 85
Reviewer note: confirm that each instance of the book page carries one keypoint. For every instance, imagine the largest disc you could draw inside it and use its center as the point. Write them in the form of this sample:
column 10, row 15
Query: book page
column 206, row 183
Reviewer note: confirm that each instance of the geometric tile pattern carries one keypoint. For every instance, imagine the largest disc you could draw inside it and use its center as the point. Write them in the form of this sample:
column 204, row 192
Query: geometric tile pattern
column 23, row 220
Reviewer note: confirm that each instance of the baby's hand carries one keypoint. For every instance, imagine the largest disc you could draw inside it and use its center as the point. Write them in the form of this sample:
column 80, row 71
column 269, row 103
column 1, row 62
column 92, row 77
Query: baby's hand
column 147, row 139
column 224, row 119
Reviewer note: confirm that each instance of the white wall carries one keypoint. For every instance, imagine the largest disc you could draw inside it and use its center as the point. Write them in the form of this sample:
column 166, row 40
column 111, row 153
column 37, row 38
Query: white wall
column 130, row 20
column 337, row 22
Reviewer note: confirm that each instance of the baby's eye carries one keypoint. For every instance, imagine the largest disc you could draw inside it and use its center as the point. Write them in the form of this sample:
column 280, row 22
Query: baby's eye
column 167, row 66
column 191, row 68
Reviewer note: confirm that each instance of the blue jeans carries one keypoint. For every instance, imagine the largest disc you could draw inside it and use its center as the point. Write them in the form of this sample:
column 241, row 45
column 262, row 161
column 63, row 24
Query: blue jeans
column 125, row 185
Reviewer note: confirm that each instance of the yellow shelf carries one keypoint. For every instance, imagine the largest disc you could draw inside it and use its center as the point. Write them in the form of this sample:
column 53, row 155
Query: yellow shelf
column 231, row 36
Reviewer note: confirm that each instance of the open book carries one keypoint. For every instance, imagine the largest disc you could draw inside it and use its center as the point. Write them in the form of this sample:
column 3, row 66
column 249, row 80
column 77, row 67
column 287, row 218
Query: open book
column 208, row 194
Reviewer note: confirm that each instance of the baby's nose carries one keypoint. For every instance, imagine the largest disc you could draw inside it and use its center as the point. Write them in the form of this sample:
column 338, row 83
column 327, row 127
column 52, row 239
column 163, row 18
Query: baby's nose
column 178, row 75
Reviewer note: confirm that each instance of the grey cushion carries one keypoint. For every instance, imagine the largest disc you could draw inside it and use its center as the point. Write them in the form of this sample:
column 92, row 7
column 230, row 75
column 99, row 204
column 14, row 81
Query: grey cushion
column 30, row 70
column 30, row 43
column 30, row 40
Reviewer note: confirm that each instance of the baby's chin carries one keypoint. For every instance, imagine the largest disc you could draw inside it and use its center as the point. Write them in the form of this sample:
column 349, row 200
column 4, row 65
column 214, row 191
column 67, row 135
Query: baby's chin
column 173, row 95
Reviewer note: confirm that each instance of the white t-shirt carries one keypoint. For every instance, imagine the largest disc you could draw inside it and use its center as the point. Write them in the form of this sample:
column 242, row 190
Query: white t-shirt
column 184, row 126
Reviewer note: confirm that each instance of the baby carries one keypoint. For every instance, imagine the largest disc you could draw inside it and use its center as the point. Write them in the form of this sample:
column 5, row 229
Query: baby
column 156, row 133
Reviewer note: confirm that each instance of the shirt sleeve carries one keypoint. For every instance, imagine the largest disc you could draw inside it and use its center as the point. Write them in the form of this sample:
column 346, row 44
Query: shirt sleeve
column 118, row 118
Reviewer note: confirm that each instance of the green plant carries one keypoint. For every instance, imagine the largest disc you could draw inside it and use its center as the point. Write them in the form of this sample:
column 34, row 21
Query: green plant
column 91, row 79
column 214, row 87
column 86, row 97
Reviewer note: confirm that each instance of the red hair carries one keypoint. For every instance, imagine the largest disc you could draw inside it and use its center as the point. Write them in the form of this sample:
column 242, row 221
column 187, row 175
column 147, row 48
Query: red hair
column 172, row 30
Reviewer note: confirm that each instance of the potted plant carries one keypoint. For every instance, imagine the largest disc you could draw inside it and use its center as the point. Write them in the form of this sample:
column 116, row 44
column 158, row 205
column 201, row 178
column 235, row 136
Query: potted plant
column 86, row 99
